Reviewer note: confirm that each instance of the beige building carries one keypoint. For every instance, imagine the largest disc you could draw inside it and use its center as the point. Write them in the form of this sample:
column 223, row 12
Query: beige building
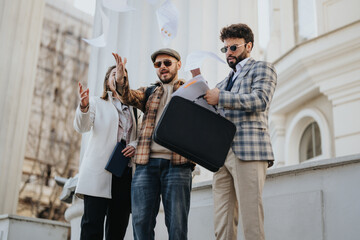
column 52, row 147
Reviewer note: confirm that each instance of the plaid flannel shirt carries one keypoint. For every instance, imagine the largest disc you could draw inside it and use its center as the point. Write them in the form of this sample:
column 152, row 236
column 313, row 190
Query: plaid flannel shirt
column 136, row 98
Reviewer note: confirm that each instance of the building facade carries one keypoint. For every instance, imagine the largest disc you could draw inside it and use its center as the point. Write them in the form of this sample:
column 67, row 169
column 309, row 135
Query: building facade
column 52, row 146
column 315, row 111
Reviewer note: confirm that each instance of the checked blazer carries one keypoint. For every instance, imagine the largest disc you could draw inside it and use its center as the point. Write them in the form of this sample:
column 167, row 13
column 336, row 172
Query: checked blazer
column 247, row 106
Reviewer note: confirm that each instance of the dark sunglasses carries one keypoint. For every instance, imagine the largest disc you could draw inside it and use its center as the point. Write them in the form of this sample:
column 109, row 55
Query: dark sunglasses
column 166, row 62
column 232, row 48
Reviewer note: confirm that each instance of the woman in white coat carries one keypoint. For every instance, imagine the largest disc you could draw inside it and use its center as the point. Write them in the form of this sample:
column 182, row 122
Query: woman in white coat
column 108, row 121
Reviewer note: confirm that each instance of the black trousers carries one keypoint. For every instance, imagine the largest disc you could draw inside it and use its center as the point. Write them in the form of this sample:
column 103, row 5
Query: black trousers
column 117, row 211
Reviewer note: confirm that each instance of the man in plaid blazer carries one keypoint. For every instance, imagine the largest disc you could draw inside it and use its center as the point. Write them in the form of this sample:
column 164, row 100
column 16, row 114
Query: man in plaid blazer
column 159, row 171
column 245, row 95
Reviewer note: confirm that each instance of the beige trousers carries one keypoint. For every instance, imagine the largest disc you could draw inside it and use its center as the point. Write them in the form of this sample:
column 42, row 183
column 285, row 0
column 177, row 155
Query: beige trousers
column 239, row 184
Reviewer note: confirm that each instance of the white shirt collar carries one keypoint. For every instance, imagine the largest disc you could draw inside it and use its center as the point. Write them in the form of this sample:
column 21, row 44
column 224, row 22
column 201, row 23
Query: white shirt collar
column 241, row 64
column 118, row 104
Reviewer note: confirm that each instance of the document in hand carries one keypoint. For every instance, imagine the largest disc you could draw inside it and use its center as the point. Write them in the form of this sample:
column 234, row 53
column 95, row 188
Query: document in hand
column 194, row 132
column 117, row 162
column 193, row 89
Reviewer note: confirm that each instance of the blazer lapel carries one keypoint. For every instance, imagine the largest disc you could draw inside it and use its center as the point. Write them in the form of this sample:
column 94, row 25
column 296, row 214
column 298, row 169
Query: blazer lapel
column 244, row 71
column 222, row 85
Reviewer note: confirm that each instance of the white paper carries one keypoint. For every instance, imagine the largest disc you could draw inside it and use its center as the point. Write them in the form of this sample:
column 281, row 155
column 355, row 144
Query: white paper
column 167, row 16
column 195, row 59
column 97, row 42
column 102, row 39
column 117, row 5
column 194, row 90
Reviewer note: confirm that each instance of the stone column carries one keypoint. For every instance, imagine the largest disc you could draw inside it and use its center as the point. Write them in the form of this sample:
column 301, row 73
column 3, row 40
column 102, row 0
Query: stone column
column 20, row 31
column 346, row 114
column 249, row 14
column 277, row 134
column 273, row 50
column 340, row 82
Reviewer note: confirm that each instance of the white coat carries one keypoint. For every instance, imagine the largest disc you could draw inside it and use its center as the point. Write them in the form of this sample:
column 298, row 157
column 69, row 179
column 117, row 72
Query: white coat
column 101, row 120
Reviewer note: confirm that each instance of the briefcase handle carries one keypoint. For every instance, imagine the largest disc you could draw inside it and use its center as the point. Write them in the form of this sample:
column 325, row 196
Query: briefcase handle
column 202, row 96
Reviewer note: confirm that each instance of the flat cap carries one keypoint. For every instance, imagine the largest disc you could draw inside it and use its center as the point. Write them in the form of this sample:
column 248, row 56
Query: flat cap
column 167, row 51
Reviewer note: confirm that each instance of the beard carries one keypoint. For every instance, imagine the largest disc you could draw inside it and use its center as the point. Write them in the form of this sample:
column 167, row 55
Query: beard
column 238, row 59
column 166, row 76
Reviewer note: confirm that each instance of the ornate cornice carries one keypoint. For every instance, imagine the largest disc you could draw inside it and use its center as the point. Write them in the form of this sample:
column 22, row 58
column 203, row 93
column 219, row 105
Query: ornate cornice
column 329, row 65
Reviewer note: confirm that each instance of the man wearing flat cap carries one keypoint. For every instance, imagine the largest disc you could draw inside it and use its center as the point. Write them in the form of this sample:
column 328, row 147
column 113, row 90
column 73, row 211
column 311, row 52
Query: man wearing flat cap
column 159, row 171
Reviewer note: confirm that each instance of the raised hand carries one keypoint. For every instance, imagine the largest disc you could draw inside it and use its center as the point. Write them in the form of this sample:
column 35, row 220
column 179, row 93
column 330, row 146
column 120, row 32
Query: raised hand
column 84, row 96
column 120, row 68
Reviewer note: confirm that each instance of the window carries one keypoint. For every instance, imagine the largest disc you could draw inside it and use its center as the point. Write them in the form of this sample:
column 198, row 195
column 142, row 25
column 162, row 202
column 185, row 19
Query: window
column 305, row 20
column 310, row 143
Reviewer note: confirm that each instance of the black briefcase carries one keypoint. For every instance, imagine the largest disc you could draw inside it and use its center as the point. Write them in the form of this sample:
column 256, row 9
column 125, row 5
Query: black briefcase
column 195, row 132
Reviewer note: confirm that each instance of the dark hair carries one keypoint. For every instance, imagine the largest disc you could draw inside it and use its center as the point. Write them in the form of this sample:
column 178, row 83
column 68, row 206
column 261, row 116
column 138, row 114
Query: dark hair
column 106, row 80
column 239, row 30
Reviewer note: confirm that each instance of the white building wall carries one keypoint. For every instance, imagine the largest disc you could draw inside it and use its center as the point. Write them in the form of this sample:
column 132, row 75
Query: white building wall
column 14, row 227
column 321, row 67
column 335, row 14
column 319, row 110
column 20, row 32
column 316, row 200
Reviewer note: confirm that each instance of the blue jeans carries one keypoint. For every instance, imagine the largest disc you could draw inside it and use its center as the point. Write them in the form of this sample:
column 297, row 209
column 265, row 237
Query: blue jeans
column 173, row 183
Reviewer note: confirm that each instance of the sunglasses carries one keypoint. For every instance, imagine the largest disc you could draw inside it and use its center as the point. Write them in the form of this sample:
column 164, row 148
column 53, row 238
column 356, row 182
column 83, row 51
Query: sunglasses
column 232, row 47
column 166, row 62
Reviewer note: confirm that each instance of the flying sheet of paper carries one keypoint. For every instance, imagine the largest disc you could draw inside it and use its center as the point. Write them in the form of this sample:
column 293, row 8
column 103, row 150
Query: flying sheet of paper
column 193, row 89
column 167, row 16
column 102, row 39
column 117, row 5
column 195, row 59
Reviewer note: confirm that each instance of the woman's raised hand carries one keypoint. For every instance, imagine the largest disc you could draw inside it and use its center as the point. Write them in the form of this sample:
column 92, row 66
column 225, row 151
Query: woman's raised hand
column 120, row 67
column 84, row 96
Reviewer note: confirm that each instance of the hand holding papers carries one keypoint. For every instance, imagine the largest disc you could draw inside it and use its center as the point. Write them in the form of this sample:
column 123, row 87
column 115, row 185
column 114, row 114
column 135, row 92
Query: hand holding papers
column 195, row 59
column 193, row 90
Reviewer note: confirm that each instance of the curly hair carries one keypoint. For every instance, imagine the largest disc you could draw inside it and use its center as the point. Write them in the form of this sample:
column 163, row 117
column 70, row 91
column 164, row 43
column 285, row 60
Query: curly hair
column 239, row 30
